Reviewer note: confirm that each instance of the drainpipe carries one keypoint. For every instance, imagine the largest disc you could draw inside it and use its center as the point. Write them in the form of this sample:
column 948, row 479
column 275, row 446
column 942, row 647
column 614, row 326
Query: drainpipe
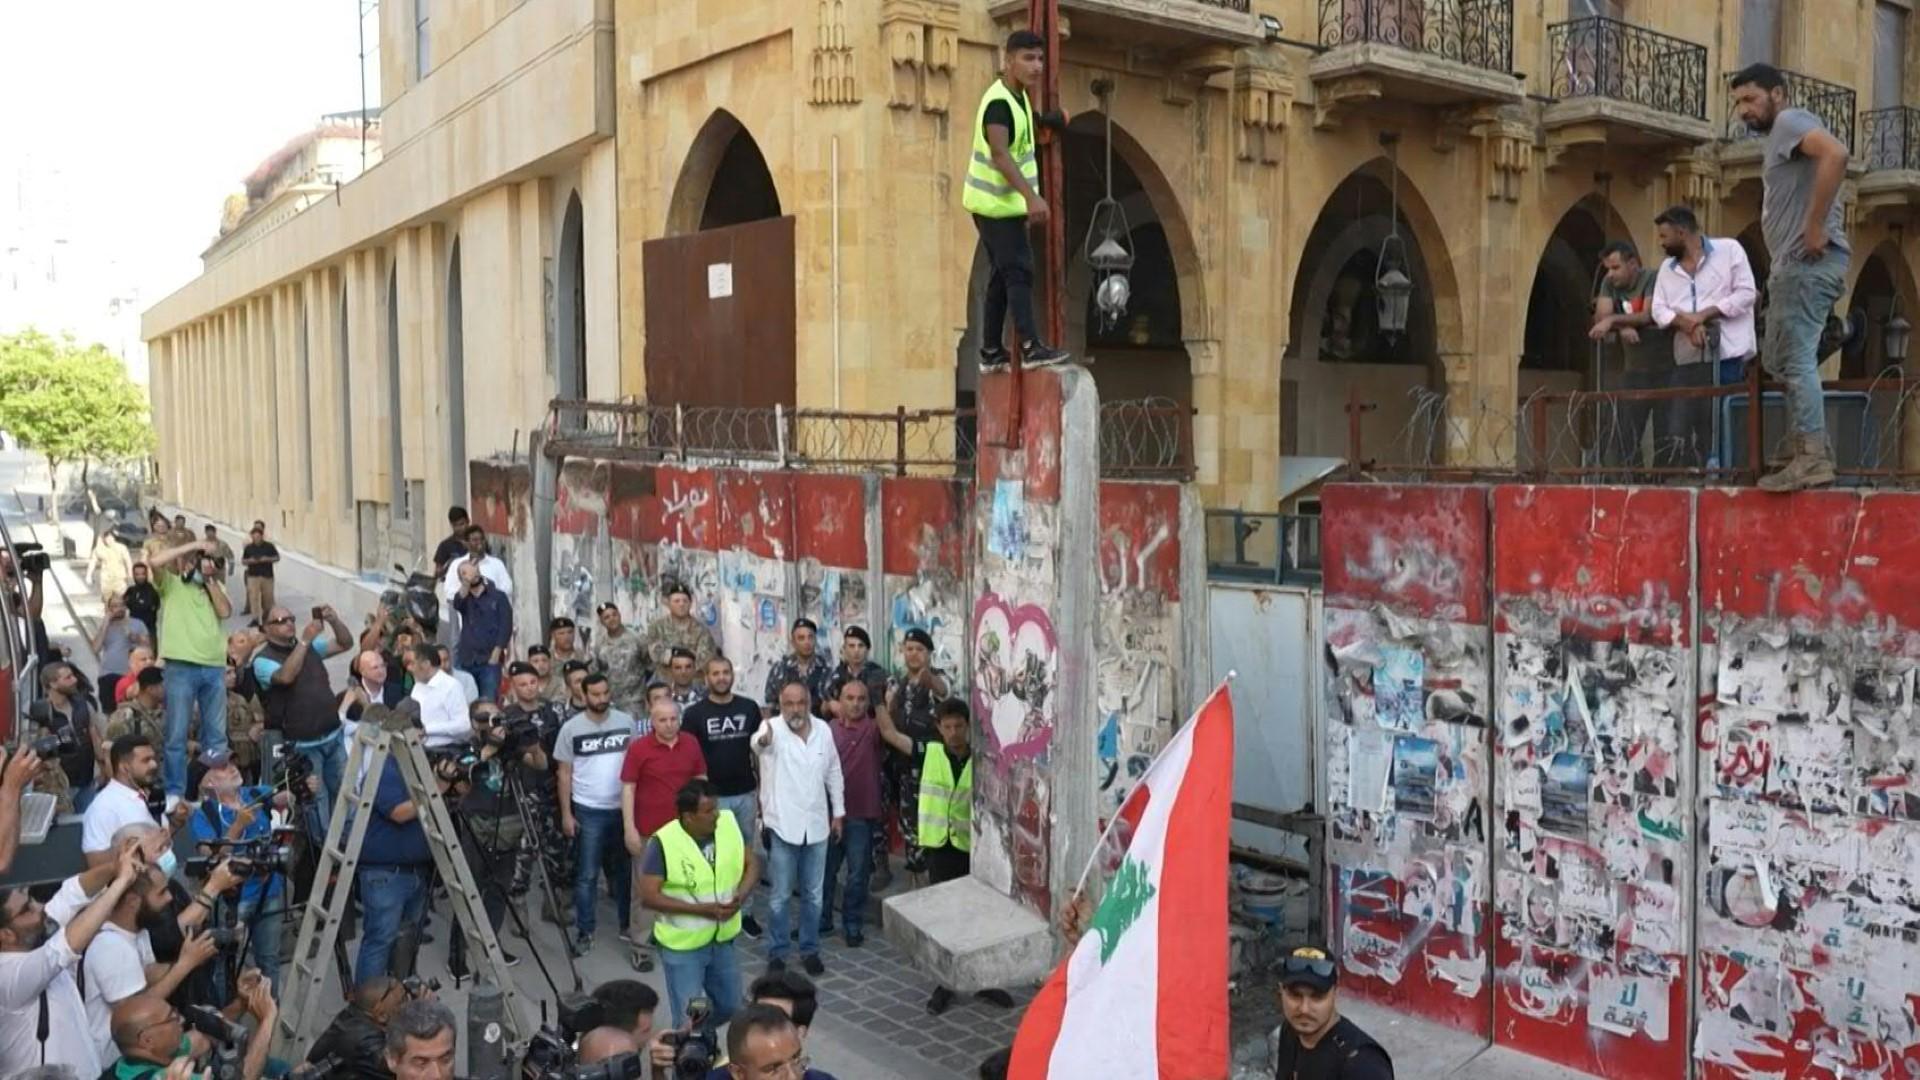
column 833, row 182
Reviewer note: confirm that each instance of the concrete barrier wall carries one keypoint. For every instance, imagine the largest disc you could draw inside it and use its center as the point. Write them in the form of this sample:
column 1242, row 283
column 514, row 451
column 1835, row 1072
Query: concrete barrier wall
column 1406, row 743
column 1787, row 813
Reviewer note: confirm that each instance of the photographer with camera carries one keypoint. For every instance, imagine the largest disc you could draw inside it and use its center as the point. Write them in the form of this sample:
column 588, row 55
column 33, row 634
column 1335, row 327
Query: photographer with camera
column 151, row 1034
column 528, row 710
column 125, row 799
column 298, row 694
column 65, row 715
column 357, row 1037
column 489, row 818
column 237, row 818
column 194, row 645
column 43, row 1019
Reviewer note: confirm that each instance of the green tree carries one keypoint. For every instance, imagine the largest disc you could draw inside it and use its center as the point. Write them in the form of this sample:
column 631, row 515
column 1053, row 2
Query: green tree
column 70, row 402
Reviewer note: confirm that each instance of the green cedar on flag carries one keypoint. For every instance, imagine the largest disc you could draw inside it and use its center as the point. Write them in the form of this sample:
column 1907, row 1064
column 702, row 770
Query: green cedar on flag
column 1112, row 1009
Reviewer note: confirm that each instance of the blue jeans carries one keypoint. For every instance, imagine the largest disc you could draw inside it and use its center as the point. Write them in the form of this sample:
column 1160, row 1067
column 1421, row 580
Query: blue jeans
column 329, row 758
column 795, row 865
column 263, row 919
column 602, row 841
column 855, row 849
column 390, row 897
column 487, row 678
column 712, row 971
column 1800, row 296
column 189, row 685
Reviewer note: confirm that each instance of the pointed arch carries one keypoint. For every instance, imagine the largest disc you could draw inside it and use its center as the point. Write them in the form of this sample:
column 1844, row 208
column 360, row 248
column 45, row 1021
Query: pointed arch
column 1566, row 277
column 1883, row 283
column 570, row 316
column 724, row 180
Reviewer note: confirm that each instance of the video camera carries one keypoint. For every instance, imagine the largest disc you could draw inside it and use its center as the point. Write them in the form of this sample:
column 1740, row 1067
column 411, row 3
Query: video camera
column 291, row 769
column 259, row 856
column 55, row 744
column 226, row 1036
column 33, row 558
column 550, row 1053
column 697, row 1048
column 515, row 737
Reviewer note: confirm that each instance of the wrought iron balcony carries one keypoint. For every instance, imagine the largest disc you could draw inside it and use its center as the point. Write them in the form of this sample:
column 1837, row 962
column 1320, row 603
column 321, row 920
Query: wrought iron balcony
column 1477, row 33
column 1831, row 102
column 1890, row 139
column 1599, row 57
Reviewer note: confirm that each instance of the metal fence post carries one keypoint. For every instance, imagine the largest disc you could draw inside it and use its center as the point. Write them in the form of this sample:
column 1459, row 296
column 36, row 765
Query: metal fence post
column 780, row 432
column 900, row 440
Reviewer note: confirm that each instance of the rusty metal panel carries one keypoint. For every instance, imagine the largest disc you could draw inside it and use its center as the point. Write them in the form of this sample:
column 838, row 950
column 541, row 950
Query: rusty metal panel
column 720, row 316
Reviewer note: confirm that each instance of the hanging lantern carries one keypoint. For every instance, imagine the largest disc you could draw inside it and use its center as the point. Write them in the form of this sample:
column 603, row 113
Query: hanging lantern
column 1106, row 248
column 1895, row 338
column 1393, row 289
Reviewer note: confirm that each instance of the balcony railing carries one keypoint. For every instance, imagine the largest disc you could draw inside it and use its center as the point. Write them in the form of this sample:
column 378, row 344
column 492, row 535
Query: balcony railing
column 1606, row 58
column 1231, row 5
column 1831, row 102
column 1890, row 138
column 1478, row 33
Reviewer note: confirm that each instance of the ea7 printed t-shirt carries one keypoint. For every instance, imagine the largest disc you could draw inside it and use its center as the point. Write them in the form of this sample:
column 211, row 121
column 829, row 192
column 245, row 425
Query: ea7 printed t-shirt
column 595, row 751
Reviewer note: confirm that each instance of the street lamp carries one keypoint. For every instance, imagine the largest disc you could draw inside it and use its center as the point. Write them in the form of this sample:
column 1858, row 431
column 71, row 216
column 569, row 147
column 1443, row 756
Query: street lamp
column 1108, row 235
column 1393, row 289
column 1895, row 337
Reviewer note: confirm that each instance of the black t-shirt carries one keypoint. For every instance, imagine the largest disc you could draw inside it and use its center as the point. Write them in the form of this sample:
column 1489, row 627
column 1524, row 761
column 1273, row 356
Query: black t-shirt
column 450, row 549
column 999, row 112
column 1344, row 1053
column 725, row 734
column 262, row 550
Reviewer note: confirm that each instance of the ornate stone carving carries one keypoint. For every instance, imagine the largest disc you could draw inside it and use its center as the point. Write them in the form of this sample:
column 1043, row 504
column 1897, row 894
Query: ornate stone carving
column 1262, row 96
column 1692, row 181
column 1334, row 98
column 1507, row 153
column 834, row 81
column 923, row 44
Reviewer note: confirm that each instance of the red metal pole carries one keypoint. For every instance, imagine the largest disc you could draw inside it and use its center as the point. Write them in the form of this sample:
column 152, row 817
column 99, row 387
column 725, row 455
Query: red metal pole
column 1756, row 443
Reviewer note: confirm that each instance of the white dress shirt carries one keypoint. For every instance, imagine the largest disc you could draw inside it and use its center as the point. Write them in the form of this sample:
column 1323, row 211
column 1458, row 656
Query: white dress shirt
column 115, row 807
column 491, row 568
column 1724, row 279
column 443, row 710
column 801, row 786
column 24, row 976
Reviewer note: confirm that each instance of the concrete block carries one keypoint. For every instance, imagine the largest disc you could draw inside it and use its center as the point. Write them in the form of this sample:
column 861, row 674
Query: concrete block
column 970, row 937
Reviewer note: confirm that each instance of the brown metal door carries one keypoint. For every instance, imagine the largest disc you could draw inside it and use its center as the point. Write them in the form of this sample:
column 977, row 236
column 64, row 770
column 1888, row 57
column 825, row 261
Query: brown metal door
column 720, row 316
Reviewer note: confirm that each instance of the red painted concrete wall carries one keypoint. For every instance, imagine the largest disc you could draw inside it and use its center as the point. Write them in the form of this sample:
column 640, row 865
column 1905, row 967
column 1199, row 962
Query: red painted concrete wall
column 1139, row 633
column 1593, row 658
column 1407, row 748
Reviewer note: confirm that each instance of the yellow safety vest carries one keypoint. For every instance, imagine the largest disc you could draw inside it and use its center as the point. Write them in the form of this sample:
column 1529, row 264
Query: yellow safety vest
column 987, row 193
column 946, row 808
column 691, row 878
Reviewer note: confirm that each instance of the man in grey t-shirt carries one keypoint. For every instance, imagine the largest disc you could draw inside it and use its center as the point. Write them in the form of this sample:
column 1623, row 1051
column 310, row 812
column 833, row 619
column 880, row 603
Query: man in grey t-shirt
column 1802, row 167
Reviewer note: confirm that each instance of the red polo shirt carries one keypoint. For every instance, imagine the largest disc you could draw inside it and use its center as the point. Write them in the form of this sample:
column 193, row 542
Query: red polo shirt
column 658, row 772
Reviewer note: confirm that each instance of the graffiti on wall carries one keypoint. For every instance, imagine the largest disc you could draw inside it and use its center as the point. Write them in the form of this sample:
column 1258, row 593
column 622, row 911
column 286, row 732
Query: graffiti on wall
column 925, row 561
column 1137, row 637
column 1809, row 929
column 1592, row 661
column 1406, row 746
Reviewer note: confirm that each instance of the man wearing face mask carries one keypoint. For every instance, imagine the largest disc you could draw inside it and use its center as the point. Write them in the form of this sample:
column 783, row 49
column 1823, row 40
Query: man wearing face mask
column 231, row 811
column 43, row 1020
column 114, row 967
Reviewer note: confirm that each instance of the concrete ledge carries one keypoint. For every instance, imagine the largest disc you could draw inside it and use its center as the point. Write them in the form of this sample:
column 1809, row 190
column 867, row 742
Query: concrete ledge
column 969, row 936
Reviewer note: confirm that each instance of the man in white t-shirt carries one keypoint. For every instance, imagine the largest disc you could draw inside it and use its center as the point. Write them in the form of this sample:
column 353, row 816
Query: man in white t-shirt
column 591, row 748
column 114, row 967
column 123, row 801
column 443, row 705
column 39, row 946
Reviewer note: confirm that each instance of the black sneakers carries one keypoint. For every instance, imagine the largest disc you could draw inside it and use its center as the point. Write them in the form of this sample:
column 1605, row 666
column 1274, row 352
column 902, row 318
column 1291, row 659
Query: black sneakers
column 1041, row 354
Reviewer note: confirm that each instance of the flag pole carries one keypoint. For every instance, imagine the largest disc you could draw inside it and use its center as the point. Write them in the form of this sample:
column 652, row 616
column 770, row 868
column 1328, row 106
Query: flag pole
column 1100, row 844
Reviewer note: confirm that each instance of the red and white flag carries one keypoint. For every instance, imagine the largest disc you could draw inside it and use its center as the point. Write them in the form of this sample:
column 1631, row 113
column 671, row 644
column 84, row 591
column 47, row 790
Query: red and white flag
column 1144, row 994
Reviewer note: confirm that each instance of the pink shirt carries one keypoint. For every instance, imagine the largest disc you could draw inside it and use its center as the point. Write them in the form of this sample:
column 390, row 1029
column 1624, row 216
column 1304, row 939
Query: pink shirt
column 859, row 746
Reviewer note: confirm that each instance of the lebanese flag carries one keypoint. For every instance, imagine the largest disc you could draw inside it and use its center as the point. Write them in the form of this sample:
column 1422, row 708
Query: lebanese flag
column 1112, row 1009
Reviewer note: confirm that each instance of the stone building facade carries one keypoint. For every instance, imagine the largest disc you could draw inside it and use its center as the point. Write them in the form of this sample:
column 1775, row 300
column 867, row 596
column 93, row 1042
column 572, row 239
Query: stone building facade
column 721, row 148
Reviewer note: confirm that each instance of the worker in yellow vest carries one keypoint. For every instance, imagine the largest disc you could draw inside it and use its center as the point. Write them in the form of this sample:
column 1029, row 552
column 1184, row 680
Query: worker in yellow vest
column 698, row 871
column 946, row 808
column 1002, row 193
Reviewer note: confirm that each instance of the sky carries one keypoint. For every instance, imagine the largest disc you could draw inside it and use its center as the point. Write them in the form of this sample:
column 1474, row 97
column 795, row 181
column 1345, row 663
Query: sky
column 145, row 114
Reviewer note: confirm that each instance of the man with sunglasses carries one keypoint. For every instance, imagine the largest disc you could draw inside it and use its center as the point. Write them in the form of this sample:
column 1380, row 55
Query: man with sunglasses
column 152, row 1034
column 298, row 694
column 1316, row 1042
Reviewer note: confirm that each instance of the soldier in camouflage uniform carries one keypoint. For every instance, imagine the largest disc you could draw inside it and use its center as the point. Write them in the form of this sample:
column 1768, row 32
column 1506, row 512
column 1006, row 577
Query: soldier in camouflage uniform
column 805, row 664
column 144, row 712
column 246, row 723
column 678, row 629
column 621, row 653
column 911, row 697
column 563, row 645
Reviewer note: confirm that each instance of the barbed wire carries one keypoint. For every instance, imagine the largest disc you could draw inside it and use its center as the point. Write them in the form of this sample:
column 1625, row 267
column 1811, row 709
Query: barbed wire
column 1601, row 437
column 1146, row 437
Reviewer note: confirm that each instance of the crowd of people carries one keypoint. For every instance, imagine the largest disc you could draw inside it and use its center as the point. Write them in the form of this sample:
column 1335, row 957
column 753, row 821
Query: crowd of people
column 606, row 760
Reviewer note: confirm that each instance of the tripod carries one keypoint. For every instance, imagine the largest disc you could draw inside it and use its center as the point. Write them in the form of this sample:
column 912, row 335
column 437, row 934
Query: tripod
column 498, row 865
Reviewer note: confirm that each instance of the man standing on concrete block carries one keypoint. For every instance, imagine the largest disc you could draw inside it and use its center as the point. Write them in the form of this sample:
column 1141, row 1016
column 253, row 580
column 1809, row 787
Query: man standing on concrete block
column 804, row 806
column 1800, row 213
column 1002, row 193
column 946, row 810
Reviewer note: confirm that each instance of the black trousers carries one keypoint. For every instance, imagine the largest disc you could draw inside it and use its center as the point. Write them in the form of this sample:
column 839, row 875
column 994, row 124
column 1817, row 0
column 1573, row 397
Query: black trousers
column 1011, row 283
column 946, row 863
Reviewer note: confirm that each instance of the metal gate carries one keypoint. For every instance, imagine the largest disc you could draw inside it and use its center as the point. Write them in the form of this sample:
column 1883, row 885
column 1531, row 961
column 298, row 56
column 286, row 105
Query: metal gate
column 720, row 316
column 1269, row 637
